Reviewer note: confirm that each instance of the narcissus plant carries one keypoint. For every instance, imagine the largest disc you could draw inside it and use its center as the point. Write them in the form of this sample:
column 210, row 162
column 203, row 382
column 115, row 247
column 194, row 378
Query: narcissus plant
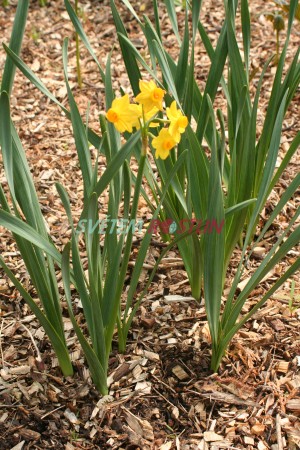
column 126, row 116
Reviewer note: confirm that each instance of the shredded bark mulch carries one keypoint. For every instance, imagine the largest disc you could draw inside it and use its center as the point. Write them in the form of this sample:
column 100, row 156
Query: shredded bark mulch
column 163, row 394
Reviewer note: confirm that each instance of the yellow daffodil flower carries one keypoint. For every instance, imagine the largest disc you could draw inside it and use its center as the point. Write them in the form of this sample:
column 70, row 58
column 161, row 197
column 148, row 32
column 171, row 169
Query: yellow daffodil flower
column 178, row 122
column 163, row 143
column 123, row 115
column 150, row 96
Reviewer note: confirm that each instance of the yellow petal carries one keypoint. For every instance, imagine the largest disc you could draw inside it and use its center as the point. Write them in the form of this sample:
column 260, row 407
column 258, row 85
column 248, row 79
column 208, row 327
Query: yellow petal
column 162, row 154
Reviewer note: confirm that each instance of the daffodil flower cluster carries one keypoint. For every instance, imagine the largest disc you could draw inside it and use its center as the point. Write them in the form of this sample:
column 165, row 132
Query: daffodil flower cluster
column 126, row 116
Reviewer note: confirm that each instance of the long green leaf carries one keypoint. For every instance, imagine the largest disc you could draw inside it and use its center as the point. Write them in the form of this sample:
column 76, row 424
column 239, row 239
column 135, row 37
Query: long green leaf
column 97, row 371
column 170, row 4
column 93, row 137
column 81, row 139
column 17, row 226
column 79, row 30
column 129, row 59
column 214, row 246
column 6, row 141
column 15, row 45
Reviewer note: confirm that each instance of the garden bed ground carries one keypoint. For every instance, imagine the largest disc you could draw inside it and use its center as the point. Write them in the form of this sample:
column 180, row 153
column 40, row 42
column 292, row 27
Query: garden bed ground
column 162, row 392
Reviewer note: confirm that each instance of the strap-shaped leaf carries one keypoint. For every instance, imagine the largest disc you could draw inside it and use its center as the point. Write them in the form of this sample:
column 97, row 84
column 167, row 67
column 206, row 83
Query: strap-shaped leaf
column 214, row 244
column 170, row 4
column 129, row 59
column 98, row 372
column 93, row 137
column 81, row 139
column 80, row 31
column 6, row 141
column 246, row 28
column 15, row 45
column 17, row 226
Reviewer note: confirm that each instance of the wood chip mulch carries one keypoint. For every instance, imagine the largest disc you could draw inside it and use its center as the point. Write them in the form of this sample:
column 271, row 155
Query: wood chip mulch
column 163, row 395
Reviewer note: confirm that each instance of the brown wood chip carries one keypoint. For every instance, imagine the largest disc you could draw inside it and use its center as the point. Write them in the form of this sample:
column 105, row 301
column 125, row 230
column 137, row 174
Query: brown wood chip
column 294, row 405
column 29, row 435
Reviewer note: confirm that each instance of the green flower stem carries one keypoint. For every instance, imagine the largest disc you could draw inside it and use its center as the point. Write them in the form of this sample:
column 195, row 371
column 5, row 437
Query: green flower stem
column 144, row 143
column 122, row 333
column 144, row 132
column 158, row 120
column 277, row 46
